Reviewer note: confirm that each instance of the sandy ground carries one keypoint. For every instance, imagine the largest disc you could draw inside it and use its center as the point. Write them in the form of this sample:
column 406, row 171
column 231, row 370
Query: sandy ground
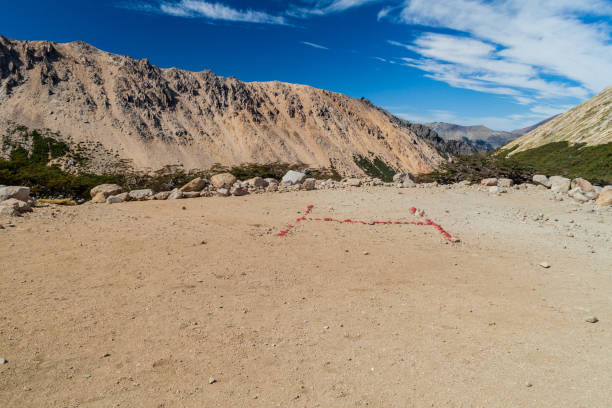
column 125, row 306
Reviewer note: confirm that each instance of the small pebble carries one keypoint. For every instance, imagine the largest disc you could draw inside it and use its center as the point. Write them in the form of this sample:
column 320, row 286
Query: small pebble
column 591, row 319
column 528, row 385
column 3, row 361
column 366, row 253
column 544, row 265
column 211, row 380
column 326, row 327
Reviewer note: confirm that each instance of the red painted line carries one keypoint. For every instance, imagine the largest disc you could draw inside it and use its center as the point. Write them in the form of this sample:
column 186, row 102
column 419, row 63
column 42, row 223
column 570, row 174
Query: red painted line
column 413, row 210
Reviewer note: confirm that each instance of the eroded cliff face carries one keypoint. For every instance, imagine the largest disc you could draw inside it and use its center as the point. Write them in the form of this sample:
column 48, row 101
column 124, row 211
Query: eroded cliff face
column 156, row 117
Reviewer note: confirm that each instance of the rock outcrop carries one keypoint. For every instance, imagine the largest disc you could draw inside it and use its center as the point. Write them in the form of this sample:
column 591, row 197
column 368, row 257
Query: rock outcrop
column 154, row 117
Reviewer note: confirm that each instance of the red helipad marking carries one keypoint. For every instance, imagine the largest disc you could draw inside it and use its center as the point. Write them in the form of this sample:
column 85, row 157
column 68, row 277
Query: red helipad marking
column 413, row 210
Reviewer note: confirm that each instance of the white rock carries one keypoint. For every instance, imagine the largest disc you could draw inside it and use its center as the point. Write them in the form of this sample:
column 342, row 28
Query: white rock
column 223, row 192
column 541, row 180
column 175, row 194
column 591, row 319
column 400, row 178
column 505, row 182
column 107, row 190
column 408, row 183
column 17, row 205
column 497, row 190
column 293, row 177
column 114, row 200
column 16, row 192
column 140, row 195
column 162, row 195
column 560, row 184
column 353, row 182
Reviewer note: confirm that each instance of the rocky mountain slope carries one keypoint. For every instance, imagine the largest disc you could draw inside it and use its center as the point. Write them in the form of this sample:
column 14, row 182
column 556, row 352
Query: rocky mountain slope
column 155, row 117
column 525, row 130
column 589, row 123
column 481, row 137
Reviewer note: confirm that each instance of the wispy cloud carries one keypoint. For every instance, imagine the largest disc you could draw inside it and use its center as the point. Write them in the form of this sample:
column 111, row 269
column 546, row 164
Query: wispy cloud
column 207, row 10
column 525, row 49
column 313, row 45
column 324, row 7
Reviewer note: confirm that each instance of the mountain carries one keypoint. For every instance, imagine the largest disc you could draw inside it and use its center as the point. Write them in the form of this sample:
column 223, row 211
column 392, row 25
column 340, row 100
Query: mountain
column 153, row 117
column 589, row 123
column 523, row 131
column 483, row 138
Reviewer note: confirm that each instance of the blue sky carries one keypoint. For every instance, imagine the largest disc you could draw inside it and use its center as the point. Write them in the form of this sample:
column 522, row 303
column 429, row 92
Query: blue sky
column 505, row 64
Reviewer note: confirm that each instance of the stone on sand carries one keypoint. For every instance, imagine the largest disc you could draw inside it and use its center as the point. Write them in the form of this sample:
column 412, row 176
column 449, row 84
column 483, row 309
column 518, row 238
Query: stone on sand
column 197, row 184
column 293, row 177
column 223, row 180
column 106, row 190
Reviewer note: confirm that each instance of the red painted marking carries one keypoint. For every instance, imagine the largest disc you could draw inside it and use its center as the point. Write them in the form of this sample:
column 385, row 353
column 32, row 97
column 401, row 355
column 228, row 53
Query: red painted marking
column 413, row 210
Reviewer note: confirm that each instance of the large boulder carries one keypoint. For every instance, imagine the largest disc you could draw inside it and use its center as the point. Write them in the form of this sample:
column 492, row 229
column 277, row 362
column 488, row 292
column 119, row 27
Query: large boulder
column 541, row 180
column 239, row 191
column 222, row 192
column 583, row 184
column 107, row 190
column 497, row 190
column 605, row 198
column 162, row 195
column 400, row 178
column 114, row 200
column 257, row 182
column 223, row 180
column 560, row 184
column 175, row 194
column 309, row 184
column 99, row 198
column 16, row 192
column 505, row 182
column 196, row 184
column 353, row 182
column 489, row 182
column 140, row 195
column 7, row 210
column 17, row 205
column 293, row 177
column 408, row 183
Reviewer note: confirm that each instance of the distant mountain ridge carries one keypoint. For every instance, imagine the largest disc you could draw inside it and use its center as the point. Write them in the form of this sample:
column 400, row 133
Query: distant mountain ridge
column 483, row 138
column 155, row 117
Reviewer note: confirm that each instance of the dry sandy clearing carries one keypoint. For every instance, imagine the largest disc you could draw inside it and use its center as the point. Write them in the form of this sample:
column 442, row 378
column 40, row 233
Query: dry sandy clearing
column 124, row 306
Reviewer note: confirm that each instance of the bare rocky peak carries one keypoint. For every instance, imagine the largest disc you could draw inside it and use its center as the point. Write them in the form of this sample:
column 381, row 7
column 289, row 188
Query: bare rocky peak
column 156, row 117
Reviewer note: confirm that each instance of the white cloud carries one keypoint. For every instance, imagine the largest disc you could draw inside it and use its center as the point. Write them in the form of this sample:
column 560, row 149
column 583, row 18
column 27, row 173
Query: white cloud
column 324, row 7
column 206, row 9
column 321, row 47
column 529, row 49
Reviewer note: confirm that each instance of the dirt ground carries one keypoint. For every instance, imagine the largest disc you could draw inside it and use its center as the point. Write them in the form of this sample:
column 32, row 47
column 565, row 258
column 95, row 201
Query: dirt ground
column 140, row 304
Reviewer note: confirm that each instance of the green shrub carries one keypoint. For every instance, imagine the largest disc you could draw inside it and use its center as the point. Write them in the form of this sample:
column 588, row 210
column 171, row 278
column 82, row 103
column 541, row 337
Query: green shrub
column 593, row 163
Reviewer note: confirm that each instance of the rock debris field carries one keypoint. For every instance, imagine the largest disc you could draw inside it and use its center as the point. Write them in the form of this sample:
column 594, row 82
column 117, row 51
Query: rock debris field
column 199, row 303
